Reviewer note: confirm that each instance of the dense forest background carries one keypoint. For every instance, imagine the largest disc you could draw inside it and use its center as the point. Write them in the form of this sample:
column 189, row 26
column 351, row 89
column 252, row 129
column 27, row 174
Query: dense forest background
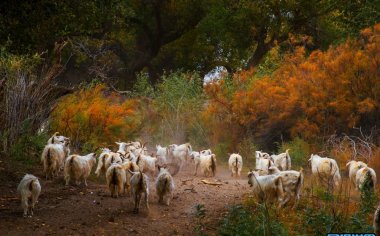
column 231, row 75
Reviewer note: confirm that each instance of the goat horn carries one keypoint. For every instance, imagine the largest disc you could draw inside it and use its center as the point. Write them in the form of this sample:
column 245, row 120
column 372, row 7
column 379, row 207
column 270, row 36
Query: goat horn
column 123, row 155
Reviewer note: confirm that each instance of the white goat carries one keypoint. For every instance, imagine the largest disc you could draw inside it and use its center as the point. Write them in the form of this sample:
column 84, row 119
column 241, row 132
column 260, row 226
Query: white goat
column 161, row 154
column 29, row 189
column 57, row 139
column 79, row 167
column 164, row 186
column 141, row 150
column 282, row 160
column 147, row 164
column 267, row 188
column 101, row 168
column 122, row 147
column 136, row 144
column 197, row 160
column 263, row 162
column 208, row 164
column 366, row 176
column 139, row 185
column 354, row 166
column 235, row 164
column 326, row 169
column 260, row 154
column 129, row 166
column 134, row 147
column 206, row 152
column 53, row 158
column 105, row 159
column 179, row 153
column 112, row 157
column 292, row 182
column 262, row 165
column 116, row 179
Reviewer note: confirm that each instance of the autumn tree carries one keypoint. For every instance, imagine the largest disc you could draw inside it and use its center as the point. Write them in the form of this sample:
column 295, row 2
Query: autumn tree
column 307, row 96
column 94, row 117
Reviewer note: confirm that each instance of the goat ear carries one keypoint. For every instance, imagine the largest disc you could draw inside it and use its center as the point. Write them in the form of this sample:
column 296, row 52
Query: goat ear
column 117, row 143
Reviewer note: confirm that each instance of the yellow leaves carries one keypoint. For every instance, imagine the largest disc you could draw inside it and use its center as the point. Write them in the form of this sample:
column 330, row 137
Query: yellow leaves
column 91, row 113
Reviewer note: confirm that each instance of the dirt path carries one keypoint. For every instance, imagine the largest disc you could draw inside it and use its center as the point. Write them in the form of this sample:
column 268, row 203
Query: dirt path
column 91, row 211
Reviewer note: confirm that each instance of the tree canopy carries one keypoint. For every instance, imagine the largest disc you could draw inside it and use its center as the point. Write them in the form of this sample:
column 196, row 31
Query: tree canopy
column 163, row 35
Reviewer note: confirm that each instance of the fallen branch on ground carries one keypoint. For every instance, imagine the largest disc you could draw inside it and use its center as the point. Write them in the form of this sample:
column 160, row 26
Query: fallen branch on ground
column 210, row 183
column 190, row 189
column 184, row 181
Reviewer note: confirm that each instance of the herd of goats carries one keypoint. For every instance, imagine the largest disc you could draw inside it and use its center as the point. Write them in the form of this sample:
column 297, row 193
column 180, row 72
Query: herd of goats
column 127, row 170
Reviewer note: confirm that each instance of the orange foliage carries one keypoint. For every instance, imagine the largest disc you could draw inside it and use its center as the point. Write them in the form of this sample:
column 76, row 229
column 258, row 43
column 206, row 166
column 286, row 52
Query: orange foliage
column 90, row 117
column 308, row 97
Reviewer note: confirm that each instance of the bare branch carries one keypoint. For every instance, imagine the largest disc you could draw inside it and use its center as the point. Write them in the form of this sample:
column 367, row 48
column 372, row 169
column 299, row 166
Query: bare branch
column 359, row 146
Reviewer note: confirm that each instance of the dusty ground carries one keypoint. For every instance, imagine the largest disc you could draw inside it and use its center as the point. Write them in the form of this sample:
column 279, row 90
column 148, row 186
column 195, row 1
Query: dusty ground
column 91, row 211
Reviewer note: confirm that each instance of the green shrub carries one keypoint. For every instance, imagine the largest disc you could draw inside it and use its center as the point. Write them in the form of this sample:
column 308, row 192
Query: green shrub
column 320, row 221
column 246, row 149
column 330, row 214
column 299, row 152
column 28, row 148
column 171, row 111
column 221, row 150
column 142, row 87
column 368, row 200
column 200, row 214
column 241, row 221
